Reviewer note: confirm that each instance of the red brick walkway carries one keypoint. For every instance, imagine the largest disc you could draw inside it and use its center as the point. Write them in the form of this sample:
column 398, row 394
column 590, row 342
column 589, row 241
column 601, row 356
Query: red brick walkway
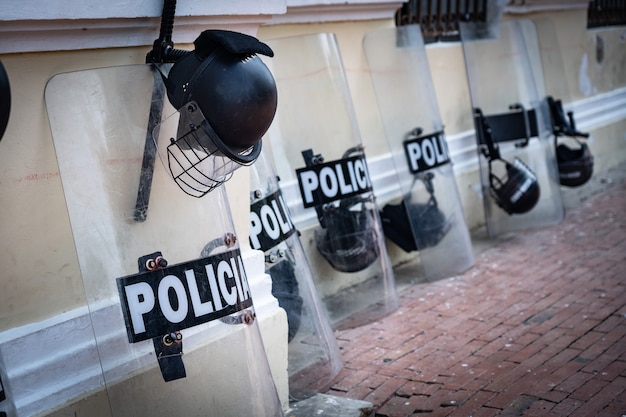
column 536, row 328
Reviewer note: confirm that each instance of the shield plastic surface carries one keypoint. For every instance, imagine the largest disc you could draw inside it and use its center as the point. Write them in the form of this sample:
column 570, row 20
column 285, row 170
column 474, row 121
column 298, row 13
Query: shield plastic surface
column 314, row 358
column 319, row 157
column 168, row 296
column 430, row 207
column 573, row 147
column 516, row 155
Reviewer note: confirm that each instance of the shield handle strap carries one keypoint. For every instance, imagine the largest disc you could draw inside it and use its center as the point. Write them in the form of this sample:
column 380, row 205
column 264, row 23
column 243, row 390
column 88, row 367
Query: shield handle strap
column 169, row 347
column 560, row 124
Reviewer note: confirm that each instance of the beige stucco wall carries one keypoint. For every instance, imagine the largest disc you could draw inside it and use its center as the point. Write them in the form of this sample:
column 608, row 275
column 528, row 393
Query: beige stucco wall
column 349, row 37
column 40, row 276
column 585, row 74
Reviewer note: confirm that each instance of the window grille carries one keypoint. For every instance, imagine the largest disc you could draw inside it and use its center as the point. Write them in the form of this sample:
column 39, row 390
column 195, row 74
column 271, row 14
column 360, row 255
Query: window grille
column 439, row 19
column 606, row 13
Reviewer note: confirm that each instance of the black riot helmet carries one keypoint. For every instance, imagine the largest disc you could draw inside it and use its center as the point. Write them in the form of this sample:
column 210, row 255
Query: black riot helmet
column 233, row 88
column 349, row 242
column 575, row 164
column 417, row 225
column 517, row 191
column 348, row 237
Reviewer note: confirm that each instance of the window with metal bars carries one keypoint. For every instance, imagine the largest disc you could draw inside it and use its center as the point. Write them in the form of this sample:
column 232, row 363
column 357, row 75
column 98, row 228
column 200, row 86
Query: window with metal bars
column 439, row 19
column 606, row 13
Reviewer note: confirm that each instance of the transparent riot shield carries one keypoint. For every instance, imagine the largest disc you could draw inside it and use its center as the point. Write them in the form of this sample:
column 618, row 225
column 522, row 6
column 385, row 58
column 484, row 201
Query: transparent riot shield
column 513, row 131
column 429, row 217
column 573, row 148
column 323, row 170
column 170, row 304
column 314, row 358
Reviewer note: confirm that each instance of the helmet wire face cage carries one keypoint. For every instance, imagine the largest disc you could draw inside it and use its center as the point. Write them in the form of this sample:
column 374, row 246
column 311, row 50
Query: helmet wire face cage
column 348, row 238
column 226, row 98
column 432, row 225
column 349, row 241
column 196, row 160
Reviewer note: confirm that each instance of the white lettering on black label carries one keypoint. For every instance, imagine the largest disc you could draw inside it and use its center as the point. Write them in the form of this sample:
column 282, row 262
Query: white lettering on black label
column 323, row 183
column 180, row 296
column 270, row 223
column 426, row 152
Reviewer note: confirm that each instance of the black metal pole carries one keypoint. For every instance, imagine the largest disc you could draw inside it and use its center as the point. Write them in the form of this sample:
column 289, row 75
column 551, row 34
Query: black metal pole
column 150, row 150
column 162, row 52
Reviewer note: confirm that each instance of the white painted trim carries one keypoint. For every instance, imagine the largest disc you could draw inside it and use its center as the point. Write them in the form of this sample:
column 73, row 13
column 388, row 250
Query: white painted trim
column 590, row 113
column 65, row 25
column 534, row 6
column 64, row 35
column 49, row 364
column 334, row 11
column 599, row 110
column 42, row 10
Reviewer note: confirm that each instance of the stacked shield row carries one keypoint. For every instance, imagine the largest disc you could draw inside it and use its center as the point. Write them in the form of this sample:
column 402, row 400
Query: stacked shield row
column 327, row 194
column 168, row 294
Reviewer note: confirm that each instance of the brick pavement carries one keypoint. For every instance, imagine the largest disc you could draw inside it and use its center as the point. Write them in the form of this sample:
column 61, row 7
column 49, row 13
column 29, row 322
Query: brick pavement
column 537, row 327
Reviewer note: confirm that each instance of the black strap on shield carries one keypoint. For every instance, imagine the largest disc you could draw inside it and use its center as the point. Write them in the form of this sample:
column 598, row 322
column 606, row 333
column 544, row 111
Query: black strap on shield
column 162, row 52
column 312, row 159
column 169, row 347
column 518, row 125
column 561, row 125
